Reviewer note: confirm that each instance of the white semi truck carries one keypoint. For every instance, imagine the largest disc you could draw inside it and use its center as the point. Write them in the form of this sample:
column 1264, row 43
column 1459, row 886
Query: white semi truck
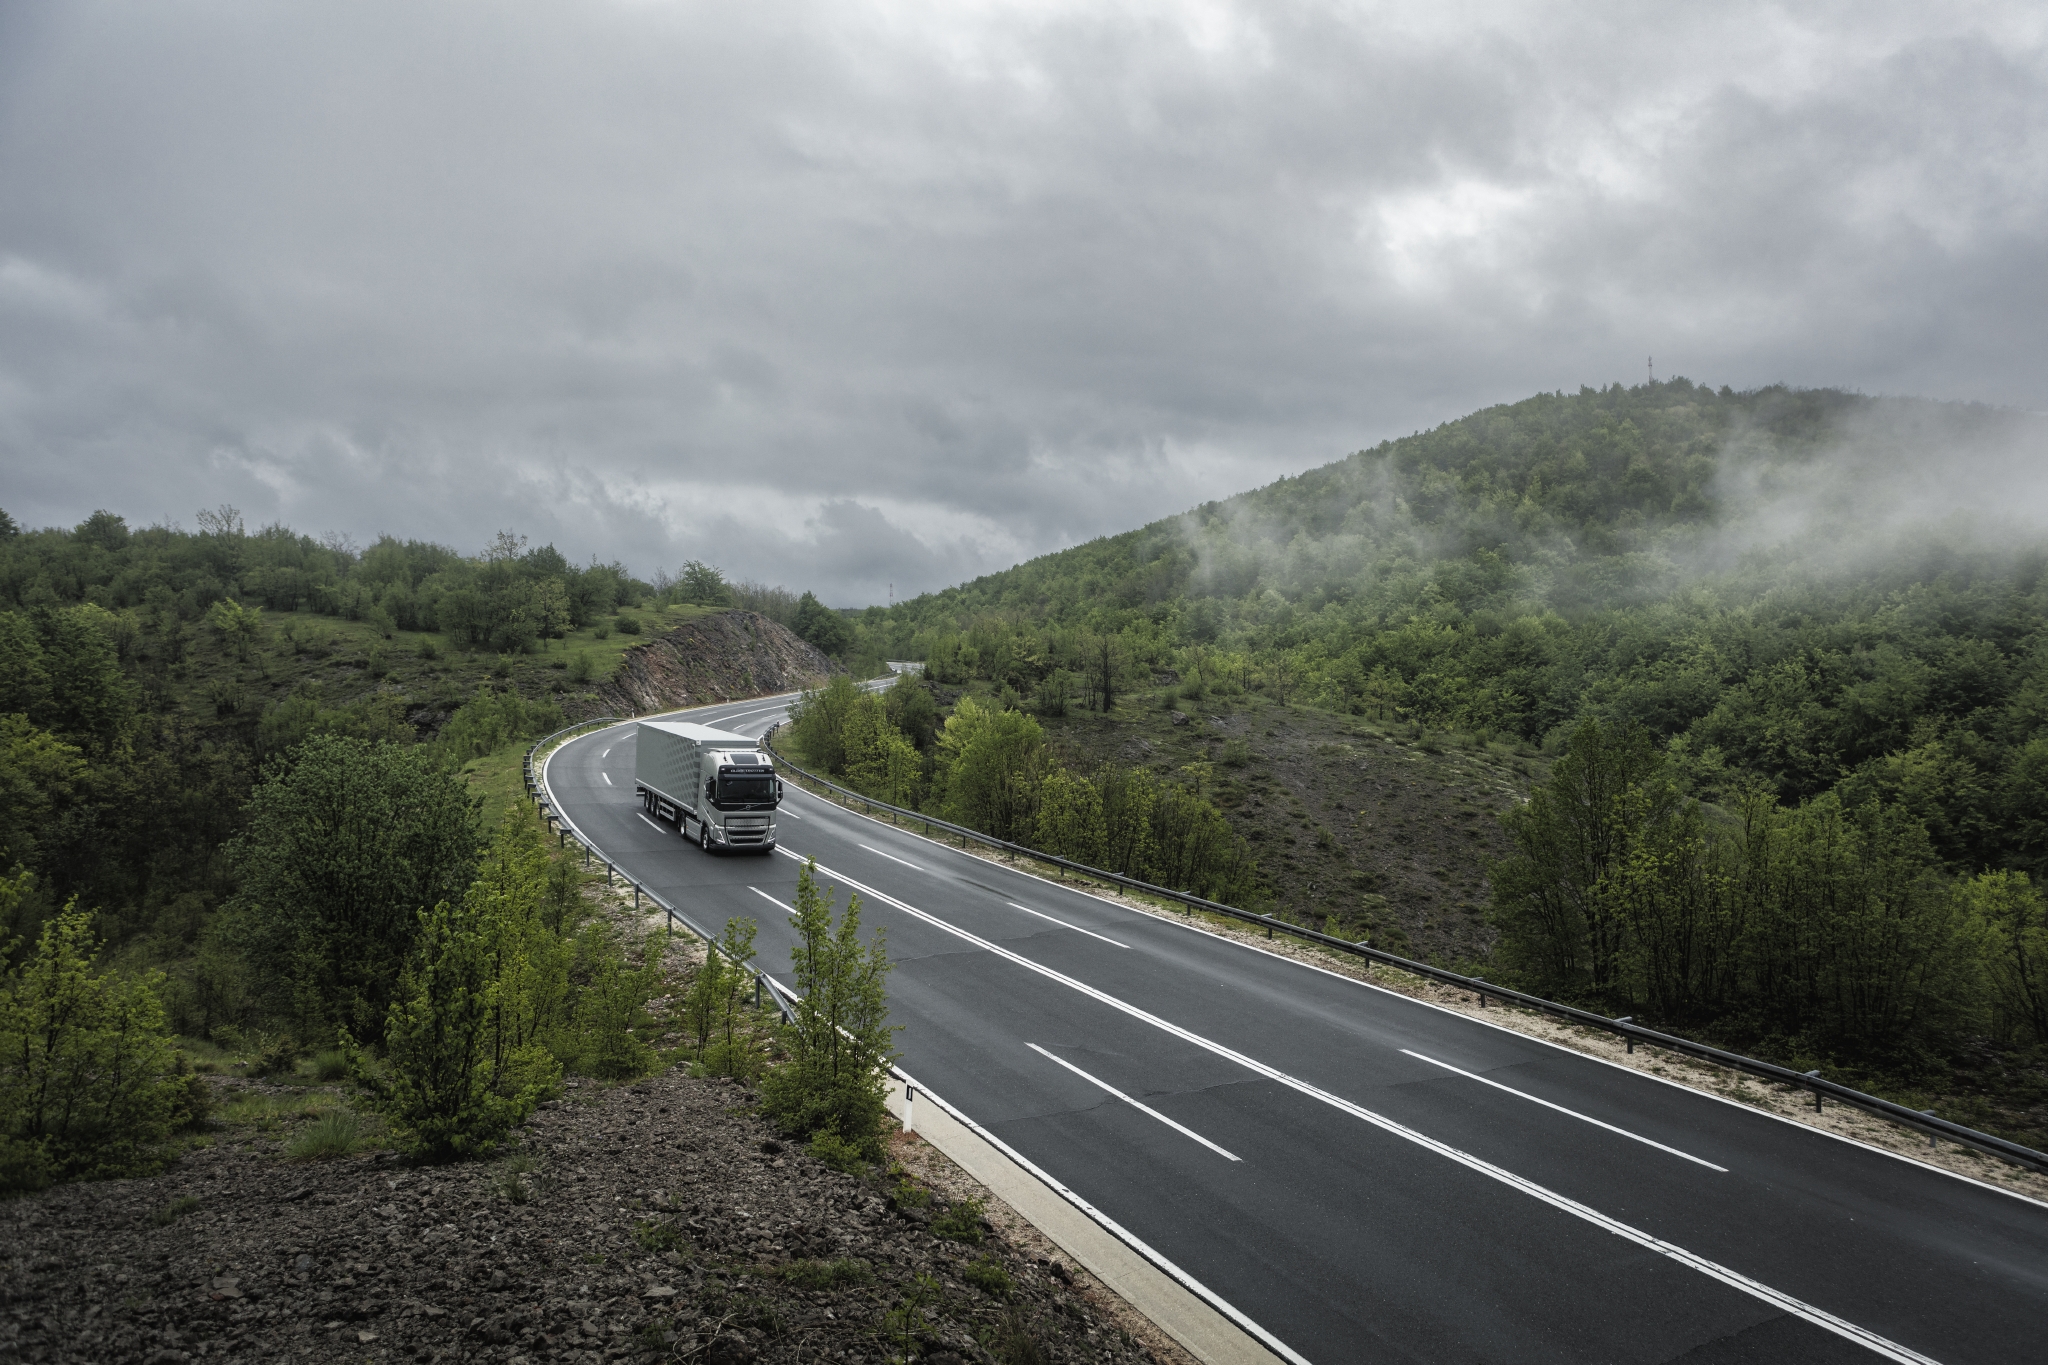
column 718, row 788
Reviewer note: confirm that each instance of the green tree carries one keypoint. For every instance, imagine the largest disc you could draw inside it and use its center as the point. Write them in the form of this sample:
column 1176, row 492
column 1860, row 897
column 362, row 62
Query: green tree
column 821, row 626
column 89, row 1082
column 818, row 721
column 2009, row 914
column 1070, row 823
column 839, row 1042
column 699, row 582
column 992, row 761
column 441, row 1087
column 343, row 849
column 240, row 628
column 1558, row 933
column 722, row 1002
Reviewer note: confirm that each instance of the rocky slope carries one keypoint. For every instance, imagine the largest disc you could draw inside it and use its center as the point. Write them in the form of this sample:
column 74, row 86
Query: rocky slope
column 731, row 655
column 658, row 1221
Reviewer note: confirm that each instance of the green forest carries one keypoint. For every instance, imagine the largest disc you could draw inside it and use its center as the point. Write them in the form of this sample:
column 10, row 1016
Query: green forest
column 1818, row 802
column 257, row 808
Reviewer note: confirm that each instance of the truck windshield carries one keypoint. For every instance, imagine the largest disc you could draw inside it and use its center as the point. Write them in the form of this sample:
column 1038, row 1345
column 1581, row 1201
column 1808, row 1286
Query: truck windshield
column 746, row 787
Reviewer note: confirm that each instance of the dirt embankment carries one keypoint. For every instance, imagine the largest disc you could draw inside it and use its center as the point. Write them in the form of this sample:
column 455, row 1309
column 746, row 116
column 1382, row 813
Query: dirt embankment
column 727, row 657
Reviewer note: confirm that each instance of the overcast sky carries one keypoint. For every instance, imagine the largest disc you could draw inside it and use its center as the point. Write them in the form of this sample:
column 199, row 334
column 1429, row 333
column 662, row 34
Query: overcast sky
column 847, row 294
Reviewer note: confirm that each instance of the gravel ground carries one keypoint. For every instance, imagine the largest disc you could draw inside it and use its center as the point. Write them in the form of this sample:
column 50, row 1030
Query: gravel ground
column 660, row 1220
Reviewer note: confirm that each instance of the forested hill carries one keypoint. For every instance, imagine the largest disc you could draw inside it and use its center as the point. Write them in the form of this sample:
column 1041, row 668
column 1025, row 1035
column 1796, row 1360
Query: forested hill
column 1807, row 588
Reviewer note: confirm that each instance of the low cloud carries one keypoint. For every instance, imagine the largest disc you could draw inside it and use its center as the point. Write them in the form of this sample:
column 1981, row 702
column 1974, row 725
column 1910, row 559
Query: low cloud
column 849, row 295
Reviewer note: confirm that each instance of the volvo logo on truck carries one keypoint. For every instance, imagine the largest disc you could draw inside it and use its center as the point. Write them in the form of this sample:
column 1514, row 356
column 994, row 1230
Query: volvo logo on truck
column 717, row 788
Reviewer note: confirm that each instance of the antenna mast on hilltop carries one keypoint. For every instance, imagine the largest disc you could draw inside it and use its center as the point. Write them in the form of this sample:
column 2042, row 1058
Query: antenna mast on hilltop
column 1651, row 363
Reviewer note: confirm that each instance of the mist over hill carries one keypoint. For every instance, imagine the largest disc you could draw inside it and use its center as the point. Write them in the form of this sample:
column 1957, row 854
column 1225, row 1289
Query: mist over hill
column 1802, row 589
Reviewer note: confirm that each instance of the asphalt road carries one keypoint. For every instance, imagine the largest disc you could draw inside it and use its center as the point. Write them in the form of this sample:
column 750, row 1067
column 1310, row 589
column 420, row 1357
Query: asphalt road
column 1367, row 1177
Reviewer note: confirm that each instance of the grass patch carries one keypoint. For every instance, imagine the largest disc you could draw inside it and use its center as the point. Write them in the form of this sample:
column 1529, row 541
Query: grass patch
column 987, row 1274
column 265, row 1112
column 961, row 1222
column 509, row 1181
column 338, row 1133
column 499, row 778
column 173, row 1211
column 907, row 1193
column 828, row 1274
column 660, row 1236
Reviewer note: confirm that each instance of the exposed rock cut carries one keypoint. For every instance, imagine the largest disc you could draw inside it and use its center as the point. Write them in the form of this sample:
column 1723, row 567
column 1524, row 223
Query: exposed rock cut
column 727, row 657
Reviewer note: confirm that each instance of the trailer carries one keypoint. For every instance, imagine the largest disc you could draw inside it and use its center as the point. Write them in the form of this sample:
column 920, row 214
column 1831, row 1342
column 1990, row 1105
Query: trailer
column 718, row 789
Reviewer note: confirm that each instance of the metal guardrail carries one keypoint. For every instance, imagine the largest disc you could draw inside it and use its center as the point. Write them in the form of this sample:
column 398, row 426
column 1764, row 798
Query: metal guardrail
column 1822, row 1089
column 544, row 801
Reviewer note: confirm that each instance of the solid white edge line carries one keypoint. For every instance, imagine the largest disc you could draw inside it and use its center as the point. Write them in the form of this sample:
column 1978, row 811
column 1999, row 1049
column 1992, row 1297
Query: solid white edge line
column 1145, row 1109
column 790, row 813
column 1114, row 1228
column 1735, row 1279
column 891, row 857
column 1373, row 986
column 656, row 823
column 1064, row 925
column 1584, row 1118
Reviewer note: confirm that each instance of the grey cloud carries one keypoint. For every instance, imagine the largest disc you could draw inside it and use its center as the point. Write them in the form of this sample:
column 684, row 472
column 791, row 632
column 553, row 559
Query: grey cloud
column 839, row 296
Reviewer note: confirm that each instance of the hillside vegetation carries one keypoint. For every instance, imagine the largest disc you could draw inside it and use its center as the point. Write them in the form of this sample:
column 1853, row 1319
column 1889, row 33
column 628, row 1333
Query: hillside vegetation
column 258, row 795
column 1786, row 648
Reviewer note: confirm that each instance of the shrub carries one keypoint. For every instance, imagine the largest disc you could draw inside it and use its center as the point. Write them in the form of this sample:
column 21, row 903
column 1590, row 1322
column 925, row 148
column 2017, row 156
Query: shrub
column 629, row 625
column 579, row 666
column 606, row 1011
column 89, row 1082
column 836, row 1152
column 490, row 720
column 343, row 849
column 839, row 1040
column 331, row 1065
column 440, row 1086
column 1236, row 753
column 602, row 630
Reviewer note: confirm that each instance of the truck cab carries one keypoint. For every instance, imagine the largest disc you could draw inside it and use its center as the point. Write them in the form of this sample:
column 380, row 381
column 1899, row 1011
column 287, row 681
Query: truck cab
column 718, row 788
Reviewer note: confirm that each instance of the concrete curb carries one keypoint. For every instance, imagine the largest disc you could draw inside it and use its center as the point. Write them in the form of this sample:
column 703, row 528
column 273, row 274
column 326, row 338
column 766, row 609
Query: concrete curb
column 1207, row 1334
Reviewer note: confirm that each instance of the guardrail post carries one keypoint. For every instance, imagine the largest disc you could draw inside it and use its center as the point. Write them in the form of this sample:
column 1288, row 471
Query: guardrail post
column 607, row 873
column 636, row 895
column 1930, row 1137
column 1629, row 1019
column 757, row 990
column 1816, row 1092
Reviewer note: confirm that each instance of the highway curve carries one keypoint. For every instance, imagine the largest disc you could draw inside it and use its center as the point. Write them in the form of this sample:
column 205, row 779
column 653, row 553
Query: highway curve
column 1366, row 1177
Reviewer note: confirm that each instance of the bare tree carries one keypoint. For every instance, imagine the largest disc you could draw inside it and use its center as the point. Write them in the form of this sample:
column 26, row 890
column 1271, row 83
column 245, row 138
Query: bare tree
column 220, row 521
